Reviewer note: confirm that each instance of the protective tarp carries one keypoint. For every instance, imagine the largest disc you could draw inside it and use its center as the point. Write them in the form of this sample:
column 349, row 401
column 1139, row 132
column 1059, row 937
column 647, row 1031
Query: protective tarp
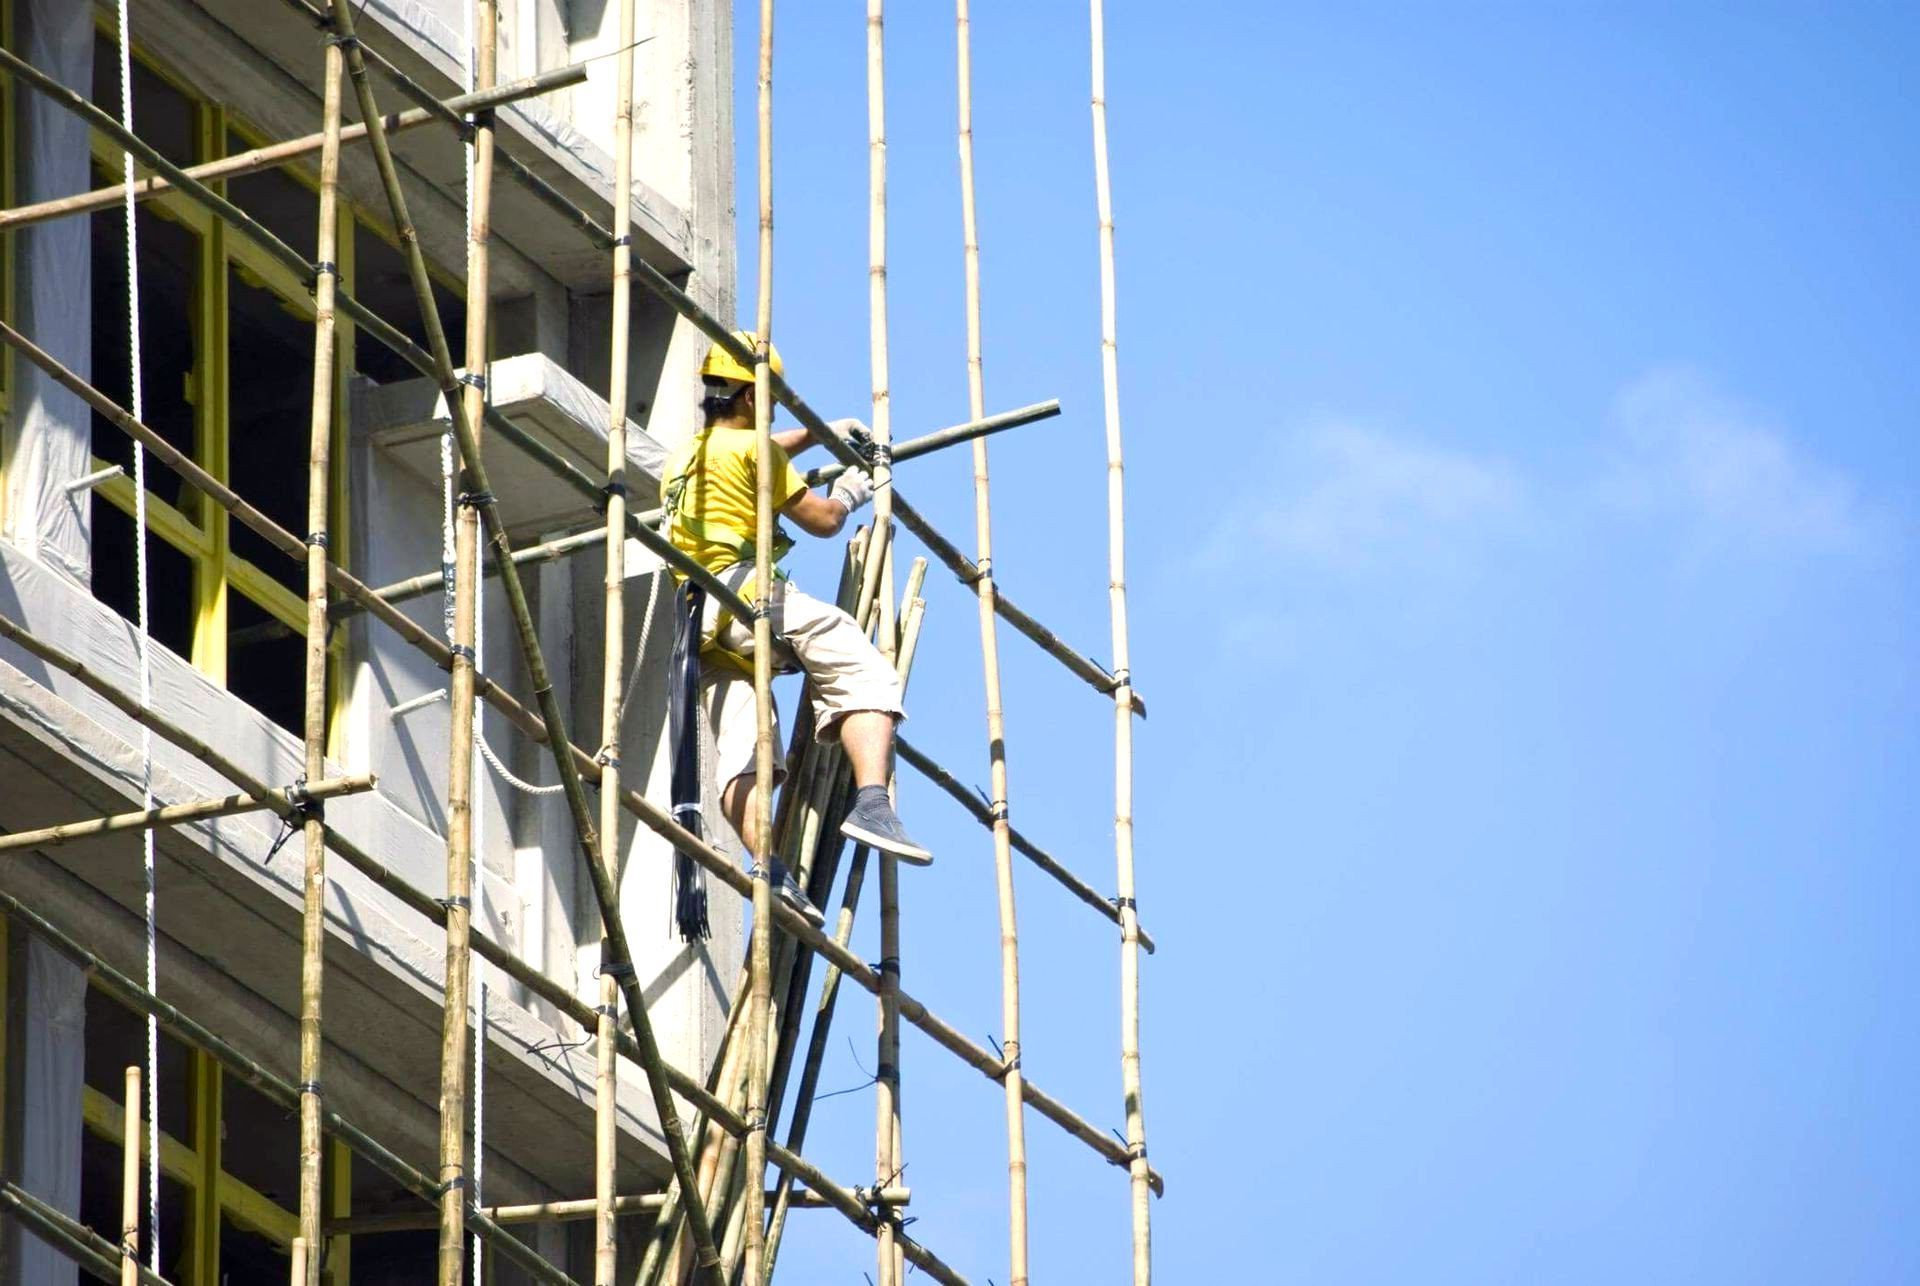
column 52, row 433
column 54, row 1057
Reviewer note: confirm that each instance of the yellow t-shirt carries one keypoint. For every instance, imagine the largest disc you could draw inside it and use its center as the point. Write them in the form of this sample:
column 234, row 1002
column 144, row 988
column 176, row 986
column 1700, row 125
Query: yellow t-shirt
column 710, row 484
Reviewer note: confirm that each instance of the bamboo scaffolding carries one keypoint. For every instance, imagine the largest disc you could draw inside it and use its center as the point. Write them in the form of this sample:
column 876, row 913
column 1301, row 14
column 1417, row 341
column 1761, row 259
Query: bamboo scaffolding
column 275, row 155
column 313, row 930
column 620, row 957
column 841, row 1198
column 297, row 1270
column 1141, row 1173
column 130, row 1181
column 146, row 819
column 606, row 1125
column 990, row 666
column 646, row 1203
column 1045, row 861
column 457, row 1190
column 269, row 1083
column 761, row 840
column 650, row 814
column 69, row 1236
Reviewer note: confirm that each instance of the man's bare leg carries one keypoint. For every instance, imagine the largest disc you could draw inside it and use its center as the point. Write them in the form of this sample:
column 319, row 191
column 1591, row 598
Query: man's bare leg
column 867, row 737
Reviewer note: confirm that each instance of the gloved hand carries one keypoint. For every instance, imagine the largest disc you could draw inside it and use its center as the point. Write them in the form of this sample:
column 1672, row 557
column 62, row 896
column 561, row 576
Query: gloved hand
column 857, row 436
column 852, row 489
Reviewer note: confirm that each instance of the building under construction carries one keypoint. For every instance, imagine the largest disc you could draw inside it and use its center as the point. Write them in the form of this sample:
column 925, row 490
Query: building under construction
column 345, row 913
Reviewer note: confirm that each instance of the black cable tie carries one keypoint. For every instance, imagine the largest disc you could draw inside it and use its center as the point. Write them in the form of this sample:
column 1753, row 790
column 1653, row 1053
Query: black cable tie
column 888, row 1072
column 1123, row 678
column 1137, row 1151
column 448, row 904
column 1124, row 904
column 607, row 758
column 611, row 970
column 615, row 487
column 308, row 1087
column 316, row 540
column 611, row 1012
column 998, row 808
column 462, row 650
column 474, row 380
column 326, row 268
column 459, row 1183
column 624, row 239
column 470, row 499
column 344, row 42
column 888, row 965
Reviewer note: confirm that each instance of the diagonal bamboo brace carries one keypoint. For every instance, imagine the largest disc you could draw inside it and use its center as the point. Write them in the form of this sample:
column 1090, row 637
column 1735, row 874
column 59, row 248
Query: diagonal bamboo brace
column 147, row 819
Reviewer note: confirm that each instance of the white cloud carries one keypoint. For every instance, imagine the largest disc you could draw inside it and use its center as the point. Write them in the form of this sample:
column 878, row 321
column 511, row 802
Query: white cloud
column 1341, row 497
column 1685, row 452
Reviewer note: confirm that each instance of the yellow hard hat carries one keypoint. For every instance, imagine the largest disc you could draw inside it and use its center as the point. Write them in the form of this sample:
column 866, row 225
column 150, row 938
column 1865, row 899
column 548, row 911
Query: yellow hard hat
column 723, row 365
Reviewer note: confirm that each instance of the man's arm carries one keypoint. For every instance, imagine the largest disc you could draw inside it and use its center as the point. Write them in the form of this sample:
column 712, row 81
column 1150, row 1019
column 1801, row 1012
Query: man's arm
column 819, row 515
column 794, row 441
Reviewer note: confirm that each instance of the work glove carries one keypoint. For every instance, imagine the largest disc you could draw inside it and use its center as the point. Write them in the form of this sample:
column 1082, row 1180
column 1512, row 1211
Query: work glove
column 852, row 489
column 857, row 436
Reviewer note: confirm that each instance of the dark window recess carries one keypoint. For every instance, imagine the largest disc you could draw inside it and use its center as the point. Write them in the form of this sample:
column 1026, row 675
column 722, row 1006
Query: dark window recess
column 163, row 117
column 169, row 255
column 382, row 284
column 285, row 207
column 394, row 1258
column 269, row 407
column 248, row 1259
column 269, row 674
column 169, row 578
column 116, row 1039
column 100, row 1208
column 263, row 1143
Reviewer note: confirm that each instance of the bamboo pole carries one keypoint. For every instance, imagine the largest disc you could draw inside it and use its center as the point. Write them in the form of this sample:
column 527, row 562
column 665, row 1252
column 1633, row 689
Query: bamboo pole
column 990, row 665
column 762, row 838
column 887, row 1160
column 455, row 1177
column 130, row 1182
column 146, row 819
column 313, row 929
column 1140, row 1173
column 269, row 1083
column 69, row 1236
column 605, row 895
column 929, row 768
column 275, row 155
column 612, row 684
column 561, row 998
column 297, row 1273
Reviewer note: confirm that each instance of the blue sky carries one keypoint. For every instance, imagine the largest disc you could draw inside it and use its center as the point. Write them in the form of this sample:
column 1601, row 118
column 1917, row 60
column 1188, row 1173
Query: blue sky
column 1521, row 410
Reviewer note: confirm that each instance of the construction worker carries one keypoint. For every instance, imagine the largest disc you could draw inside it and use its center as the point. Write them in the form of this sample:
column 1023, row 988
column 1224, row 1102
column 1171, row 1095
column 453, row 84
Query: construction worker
column 710, row 499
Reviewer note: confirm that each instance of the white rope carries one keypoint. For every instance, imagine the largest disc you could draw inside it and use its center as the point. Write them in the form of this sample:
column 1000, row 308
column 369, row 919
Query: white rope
column 148, row 863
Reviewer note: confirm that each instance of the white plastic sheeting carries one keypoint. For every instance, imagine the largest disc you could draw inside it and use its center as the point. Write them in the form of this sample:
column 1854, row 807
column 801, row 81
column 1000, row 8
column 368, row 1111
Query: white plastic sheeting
column 54, row 1058
column 52, row 433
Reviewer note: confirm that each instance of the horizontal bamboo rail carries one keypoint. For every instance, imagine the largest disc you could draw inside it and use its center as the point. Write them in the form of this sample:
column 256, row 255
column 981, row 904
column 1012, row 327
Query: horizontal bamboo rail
column 649, row 813
column 275, row 155
column 68, row 1235
column 928, row 443
column 146, row 819
column 271, row 1084
column 946, row 781
column 571, row 1211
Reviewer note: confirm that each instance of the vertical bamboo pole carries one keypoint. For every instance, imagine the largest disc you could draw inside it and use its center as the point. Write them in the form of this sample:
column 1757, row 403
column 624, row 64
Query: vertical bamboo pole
column 990, row 663
column 1123, row 680
column 319, row 491
column 605, row 1121
column 762, row 957
column 454, row 1032
column 130, row 1182
column 886, row 1143
column 299, row 1274
column 606, row 1084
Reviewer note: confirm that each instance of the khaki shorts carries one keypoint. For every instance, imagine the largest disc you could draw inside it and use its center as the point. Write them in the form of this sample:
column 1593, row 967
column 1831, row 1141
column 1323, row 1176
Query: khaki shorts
column 847, row 672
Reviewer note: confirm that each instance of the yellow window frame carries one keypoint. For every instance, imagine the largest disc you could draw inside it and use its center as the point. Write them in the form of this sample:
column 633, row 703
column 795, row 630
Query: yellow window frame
column 207, row 542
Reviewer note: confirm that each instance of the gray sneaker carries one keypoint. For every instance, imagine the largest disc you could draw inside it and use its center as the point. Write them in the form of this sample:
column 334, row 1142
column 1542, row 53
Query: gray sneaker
column 788, row 890
column 873, row 822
